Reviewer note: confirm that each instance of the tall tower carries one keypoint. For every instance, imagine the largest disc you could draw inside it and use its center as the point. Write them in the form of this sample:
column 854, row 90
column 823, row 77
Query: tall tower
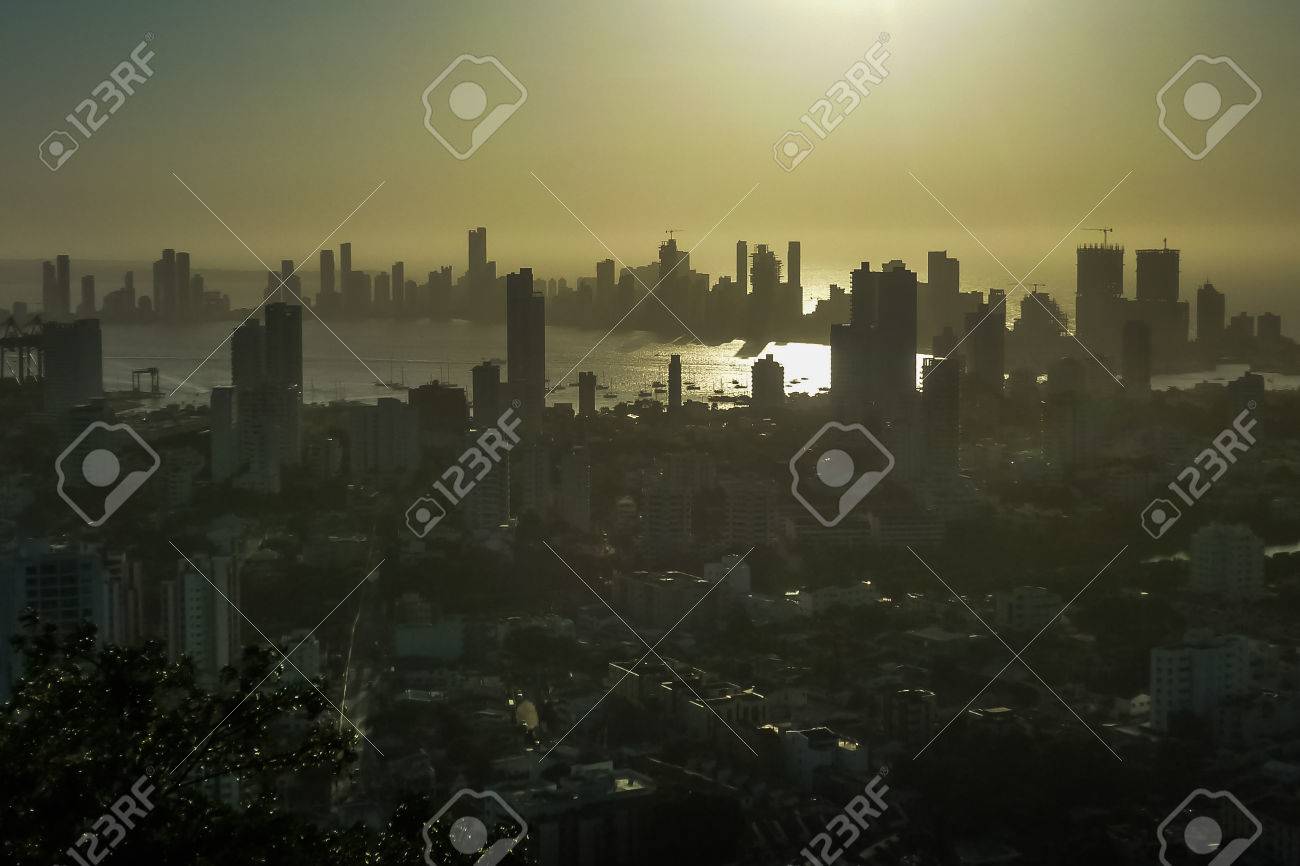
column 63, row 297
column 675, row 383
column 526, row 345
column 1211, row 314
column 325, row 297
column 487, row 394
column 1157, row 275
column 587, row 394
column 742, row 266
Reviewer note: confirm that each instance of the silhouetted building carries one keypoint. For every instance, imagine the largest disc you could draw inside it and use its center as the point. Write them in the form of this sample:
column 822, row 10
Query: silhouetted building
column 1157, row 275
column 86, row 308
column 487, row 394
column 986, row 343
column 768, row 385
column 587, row 394
column 674, row 383
column 1211, row 312
column 526, row 345
column 1269, row 328
column 441, row 410
column 74, row 366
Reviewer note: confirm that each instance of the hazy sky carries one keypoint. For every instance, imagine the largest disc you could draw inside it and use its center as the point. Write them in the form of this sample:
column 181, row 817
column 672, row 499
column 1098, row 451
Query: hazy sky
column 646, row 116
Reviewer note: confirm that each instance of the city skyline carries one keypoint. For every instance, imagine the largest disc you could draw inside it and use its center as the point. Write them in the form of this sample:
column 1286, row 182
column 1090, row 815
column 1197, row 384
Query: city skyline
column 1025, row 166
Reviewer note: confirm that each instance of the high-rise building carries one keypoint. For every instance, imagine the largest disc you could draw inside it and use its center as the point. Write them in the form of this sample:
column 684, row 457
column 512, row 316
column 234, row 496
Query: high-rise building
column 1269, row 328
column 1136, row 358
column 325, row 298
column 441, row 411
column 575, row 488
column 54, row 304
column 383, row 438
column 742, row 266
column 794, row 276
column 768, row 385
column 398, row 282
column 63, row 273
column 1211, row 314
column 477, row 252
column 201, row 620
column 1099, row 290
column 1227, row 561
column 587, row 394
column 986, row 330
column 1157, row 275
column 943, row 275
column 675, row 383
column 86, row 309
column 74, row 365
column 247, row 355
column 66, row 585
column 1193, row 678
column 164, row 286
column 224, row 453
column 765, row 305
column 383, row 297
column 187, row 306
column 284, row 344
column 940, row 415
column 345, row 273
column 526, row 346
column 488, row 405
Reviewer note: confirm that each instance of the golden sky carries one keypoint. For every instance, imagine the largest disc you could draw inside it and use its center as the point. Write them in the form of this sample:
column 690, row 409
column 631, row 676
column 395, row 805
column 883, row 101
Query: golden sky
column 1018, row 116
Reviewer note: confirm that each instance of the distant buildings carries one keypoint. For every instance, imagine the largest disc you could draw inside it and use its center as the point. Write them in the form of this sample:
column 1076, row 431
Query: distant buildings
column 1227, row 561
column 1193, row 678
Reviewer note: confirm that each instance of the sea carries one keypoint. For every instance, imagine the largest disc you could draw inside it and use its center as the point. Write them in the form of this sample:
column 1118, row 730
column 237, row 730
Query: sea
column 365, row 360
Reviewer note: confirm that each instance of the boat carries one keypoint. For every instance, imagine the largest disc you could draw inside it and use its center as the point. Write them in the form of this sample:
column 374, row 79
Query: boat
column 644, row 393
column 611, row 396
column 657, row 385
column 602, row 387
column 660, row 390
column 692, row 387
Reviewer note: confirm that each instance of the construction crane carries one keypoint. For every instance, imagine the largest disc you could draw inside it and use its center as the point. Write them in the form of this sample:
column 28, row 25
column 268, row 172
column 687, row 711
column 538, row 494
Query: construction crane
column 1105, row 234
column 669, row 232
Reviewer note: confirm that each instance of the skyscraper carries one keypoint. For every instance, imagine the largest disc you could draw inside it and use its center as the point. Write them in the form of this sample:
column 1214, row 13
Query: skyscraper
column 1157, row 275
column 674, row 383
column 345, row 266
column 587, row 394
column 1211, row 315
column 86, row 308
column 526, row 345
column 63, row 297
column 187, row 307
column 940, row 415
column 768, row 387
column 986, row 330
column 325, row 297
column 398, row 286
column 247, row 355
column 742, row 266
column 487, row 394
column 284, row 344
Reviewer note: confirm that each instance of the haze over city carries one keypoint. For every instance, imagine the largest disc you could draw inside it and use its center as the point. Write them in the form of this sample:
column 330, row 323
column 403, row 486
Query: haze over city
column 283, row 116
column 650, row 434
